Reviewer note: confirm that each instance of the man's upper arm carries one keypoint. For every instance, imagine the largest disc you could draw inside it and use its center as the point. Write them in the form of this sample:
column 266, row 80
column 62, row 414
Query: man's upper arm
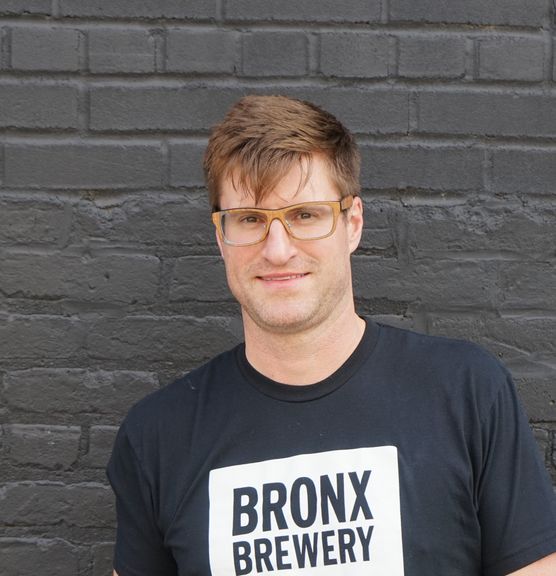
column 139, row 543
column 544, row 567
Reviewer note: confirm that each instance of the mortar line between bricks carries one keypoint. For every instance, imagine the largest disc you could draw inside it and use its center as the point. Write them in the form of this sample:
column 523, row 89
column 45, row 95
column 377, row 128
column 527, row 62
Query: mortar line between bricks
column 188, row 82
column 109, row 21
column 313, row 54
column 419, row 28
column 471, row 67
column 77, row 250
column 53, row 195
column 376, row 26
column 432, row 140
column 198, row 82
column 160, row 39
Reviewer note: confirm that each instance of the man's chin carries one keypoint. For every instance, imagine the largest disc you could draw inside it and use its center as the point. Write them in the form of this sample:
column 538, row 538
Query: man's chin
column 284, row 322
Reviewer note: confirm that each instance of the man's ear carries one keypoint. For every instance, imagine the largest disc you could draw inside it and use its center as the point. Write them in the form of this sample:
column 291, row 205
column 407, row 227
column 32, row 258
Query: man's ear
column 355, row 224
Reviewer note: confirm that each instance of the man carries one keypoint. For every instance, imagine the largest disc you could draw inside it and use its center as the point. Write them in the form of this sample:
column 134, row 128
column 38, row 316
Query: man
column 327, row 444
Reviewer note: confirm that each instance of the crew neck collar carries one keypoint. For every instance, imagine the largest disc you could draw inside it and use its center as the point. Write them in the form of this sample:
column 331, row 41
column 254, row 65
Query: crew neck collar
column 307, row 392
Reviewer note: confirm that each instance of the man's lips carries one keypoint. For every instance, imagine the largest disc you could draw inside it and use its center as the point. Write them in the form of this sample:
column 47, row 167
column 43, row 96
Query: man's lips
column 281, row 277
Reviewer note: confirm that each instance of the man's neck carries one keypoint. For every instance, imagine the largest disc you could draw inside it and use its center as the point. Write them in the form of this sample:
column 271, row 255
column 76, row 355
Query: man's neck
column 303, row 357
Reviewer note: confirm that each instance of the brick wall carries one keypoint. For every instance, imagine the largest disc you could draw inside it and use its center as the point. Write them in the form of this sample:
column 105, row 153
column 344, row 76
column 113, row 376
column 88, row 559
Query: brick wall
column 110, row 282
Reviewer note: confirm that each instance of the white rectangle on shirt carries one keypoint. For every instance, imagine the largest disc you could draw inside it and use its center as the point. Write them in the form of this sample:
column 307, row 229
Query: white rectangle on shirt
column 330, row 514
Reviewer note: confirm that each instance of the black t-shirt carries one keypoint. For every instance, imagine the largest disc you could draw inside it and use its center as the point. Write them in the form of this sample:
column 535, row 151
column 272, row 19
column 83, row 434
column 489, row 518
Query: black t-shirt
column 413, row 459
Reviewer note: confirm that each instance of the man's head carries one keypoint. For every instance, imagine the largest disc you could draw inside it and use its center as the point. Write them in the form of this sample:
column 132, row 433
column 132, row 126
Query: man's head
column 277, row 169
column 261, row 139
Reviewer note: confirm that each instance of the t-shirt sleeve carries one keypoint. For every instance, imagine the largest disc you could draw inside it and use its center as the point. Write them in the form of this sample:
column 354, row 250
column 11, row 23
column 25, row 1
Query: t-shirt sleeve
column 140, row 548
column 517, row 507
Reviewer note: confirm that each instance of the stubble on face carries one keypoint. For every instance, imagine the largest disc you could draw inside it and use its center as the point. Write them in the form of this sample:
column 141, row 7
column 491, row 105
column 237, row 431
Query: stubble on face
column 294, row 311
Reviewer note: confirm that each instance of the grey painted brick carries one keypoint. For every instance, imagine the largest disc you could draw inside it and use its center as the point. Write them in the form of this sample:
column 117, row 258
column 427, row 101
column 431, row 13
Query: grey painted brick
column 275, row 54
column 432, row 168
column 40, row 336
column 54, row 447
column 114, row 50
column 158, row 108
column 103, row 555
column 489, row 114
column 101, row 440
column 433, row 283
column 304, row 10
column 528, row 284
column 38, row 106
column 194, row 9
column 543, row 440
column 361, row 55
column 452, row 284
column 203, row 51
column 200, row 278
column 522, row 340
column 49, row 503
column 524, row 171
column 23, row 7
column 37, row 221
column 38, row 48
column 102, row 278
column 46, row 390
column 509, row 12
column 403, row 322
column 83, row 165
column 539, row 396
column 375, row 111
column 161, row 339
column 157, row 220
column 22, row 556
column 502, row 229
column 186, row 163
column 431, row 56
column 511, row 59
column 380, row 241
column 191, row 109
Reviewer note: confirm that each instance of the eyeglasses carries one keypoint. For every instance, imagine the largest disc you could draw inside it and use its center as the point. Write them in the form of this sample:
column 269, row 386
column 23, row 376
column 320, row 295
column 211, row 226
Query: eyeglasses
column 307, row 221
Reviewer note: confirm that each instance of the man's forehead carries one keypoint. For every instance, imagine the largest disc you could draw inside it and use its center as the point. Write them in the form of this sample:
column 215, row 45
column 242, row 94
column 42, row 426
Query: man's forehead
column 302, row 181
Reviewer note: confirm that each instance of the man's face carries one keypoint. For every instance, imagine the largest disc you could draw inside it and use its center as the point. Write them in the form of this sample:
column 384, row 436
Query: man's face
column 286, row 285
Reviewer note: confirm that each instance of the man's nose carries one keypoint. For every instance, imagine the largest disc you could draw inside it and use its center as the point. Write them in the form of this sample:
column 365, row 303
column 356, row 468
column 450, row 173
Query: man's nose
column 279, row 246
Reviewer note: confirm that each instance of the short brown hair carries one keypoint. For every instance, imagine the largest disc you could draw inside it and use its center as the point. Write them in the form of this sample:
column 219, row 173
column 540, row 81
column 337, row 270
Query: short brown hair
column 262, row 136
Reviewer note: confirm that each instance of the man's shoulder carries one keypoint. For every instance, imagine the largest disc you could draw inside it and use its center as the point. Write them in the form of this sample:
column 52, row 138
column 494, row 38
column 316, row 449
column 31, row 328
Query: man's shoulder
column 178, row 400
column 452, row 361
column 412, row 343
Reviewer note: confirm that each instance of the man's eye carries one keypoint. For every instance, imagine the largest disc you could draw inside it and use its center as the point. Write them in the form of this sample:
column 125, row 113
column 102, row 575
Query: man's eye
column 305, row 215
column 251, row 219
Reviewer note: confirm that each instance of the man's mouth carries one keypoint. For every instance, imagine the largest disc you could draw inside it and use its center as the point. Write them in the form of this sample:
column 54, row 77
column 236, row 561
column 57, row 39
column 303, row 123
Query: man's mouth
column 281, row 277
